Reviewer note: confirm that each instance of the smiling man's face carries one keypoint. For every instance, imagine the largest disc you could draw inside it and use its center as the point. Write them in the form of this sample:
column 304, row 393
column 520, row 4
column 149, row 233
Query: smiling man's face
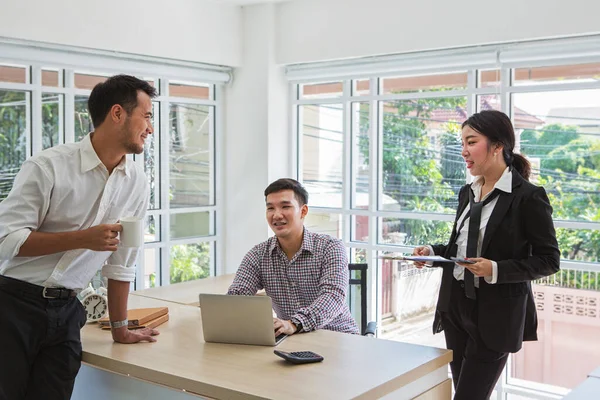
column 138, row 125
column 285, row 215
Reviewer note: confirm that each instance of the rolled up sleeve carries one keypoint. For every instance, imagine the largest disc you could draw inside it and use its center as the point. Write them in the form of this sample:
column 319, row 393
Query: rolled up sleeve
column 120, row 266
column 23, row 211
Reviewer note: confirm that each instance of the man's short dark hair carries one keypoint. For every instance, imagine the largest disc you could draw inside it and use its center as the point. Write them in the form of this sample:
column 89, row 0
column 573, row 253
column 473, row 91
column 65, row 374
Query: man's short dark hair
column 118, row 89
column 289, row 184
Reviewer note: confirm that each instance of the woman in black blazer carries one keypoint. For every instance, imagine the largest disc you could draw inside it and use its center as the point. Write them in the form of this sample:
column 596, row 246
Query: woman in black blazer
column 486, row 309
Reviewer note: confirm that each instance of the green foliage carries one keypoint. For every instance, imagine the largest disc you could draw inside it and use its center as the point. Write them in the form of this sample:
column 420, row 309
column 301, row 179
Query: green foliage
column 50, row 120
column 83, row 121
column 13, row 137
column 417, row 175
column 189, row 262
column 569, row 172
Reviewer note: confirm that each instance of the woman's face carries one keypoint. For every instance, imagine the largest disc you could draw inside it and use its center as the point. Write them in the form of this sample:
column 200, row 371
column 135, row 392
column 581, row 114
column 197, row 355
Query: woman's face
column 479, row 155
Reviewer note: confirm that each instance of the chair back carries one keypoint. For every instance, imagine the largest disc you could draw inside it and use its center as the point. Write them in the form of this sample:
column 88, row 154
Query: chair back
column 362, row 283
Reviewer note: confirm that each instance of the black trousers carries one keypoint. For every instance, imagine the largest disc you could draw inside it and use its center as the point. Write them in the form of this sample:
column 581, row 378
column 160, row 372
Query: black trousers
column 475, row 367
column 40, row 340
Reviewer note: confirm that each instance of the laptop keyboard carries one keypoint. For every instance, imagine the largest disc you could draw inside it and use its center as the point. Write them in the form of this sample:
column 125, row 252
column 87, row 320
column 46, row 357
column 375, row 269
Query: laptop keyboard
column 279, row 337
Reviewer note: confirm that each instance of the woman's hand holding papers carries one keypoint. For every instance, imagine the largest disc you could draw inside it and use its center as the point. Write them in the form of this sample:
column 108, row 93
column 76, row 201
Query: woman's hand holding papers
column 420, row 251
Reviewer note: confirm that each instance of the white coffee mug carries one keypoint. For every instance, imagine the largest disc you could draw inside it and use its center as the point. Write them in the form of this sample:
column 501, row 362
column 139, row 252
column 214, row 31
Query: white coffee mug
column 132, row 233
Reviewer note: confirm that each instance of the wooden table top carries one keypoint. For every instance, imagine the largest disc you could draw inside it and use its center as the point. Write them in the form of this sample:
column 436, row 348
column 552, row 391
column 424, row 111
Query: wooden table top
column 187, row 292
column 354, row 365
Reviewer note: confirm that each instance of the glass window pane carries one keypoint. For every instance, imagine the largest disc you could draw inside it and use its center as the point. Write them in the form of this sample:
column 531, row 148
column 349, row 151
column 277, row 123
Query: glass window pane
column 83, row 122
column 185, row 225
column 414, row 232
column 422, row 166
column 151, row 81
column 190, row 262
column 152, row 229
column 426, row 83
column 13, row 74
column 52, row 78
column 321, row 90
column 14, row 117
column 151, row 268
column 361, row 87
column 579, row 244
column 559, row 132
column 52, row 119
column 557, row 74
column 88, row 81
column 328, row 224
column 361, row 132
column 408, row 297
column 488, row 102
column 488, row 78
column 360, row 228
column 191, row 155
column 190, row 90
column 321, row 130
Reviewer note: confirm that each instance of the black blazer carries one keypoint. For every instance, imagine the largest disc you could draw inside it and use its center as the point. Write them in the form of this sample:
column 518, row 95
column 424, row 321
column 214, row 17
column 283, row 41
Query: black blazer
column 520, row 237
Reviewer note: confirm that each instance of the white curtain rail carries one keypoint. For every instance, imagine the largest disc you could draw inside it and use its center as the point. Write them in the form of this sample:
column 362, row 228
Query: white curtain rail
column 14, row 50
column 429, row 62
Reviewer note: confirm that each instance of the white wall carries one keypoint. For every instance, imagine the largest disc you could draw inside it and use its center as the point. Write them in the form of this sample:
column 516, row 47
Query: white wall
column 192, row 30
column 256, row 135
column 318, row 30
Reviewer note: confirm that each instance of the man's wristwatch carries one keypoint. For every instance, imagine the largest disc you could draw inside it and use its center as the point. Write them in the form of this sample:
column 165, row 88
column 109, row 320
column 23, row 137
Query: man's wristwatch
column 118, row 324
column 298, row 326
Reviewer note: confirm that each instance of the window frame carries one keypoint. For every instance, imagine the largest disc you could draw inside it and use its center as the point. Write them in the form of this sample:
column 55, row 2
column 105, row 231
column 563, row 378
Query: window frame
column 518, row 56
column 70, row 60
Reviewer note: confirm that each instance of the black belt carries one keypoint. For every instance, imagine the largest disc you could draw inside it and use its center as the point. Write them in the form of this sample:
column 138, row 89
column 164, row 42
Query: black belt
column 36, row 290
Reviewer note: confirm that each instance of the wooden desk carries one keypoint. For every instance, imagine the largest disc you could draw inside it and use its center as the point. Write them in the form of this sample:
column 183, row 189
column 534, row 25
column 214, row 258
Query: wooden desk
column 184, row 366
column 187, row 292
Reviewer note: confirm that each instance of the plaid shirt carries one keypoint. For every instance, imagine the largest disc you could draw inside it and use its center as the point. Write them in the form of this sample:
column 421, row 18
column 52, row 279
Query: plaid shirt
column 309, row 289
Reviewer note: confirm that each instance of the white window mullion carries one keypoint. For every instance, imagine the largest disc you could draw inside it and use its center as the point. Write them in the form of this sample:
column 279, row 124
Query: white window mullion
column 299, row 142
column 36, row 109
column 218, row 167
column 346, row 160
column 375, row 137
column 69, row 107
column 140, row 269
column 471, row 96
column 505, row 82
column 294, row 132
column 164, row 165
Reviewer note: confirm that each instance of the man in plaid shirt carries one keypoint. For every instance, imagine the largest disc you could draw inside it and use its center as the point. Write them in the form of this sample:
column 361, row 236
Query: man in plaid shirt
column 305, row 274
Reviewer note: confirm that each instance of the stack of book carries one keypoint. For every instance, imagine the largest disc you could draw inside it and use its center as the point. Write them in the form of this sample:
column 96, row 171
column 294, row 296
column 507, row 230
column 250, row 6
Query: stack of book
column 141, row 318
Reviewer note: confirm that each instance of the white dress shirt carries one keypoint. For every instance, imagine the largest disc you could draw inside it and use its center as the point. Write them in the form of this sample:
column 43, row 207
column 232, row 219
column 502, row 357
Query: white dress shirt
column 504, row 184
column 67, row 188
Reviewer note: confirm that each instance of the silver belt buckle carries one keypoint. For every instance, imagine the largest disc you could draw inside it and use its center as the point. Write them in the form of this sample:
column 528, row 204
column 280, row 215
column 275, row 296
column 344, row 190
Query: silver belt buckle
column 44, row 295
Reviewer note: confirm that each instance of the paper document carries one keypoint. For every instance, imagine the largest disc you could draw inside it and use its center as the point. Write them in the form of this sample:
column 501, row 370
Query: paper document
column 426, row 259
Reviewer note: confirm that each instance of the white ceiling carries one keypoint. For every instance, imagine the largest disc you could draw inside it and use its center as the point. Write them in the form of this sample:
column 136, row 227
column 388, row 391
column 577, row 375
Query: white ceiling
column 248, row 2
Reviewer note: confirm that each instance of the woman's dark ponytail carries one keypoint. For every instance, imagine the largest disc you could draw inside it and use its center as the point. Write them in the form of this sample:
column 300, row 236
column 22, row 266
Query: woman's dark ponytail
column 522, row 165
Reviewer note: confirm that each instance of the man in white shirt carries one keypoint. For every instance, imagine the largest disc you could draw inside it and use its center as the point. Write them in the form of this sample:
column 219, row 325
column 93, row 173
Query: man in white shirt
column 58, row 226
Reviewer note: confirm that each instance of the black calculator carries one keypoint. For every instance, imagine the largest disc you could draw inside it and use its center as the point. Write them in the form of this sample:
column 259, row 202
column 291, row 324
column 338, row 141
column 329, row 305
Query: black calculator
column 299, row 357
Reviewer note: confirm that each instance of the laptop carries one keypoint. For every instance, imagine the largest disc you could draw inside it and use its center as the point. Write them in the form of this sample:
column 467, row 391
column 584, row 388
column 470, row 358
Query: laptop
column 238, row 319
